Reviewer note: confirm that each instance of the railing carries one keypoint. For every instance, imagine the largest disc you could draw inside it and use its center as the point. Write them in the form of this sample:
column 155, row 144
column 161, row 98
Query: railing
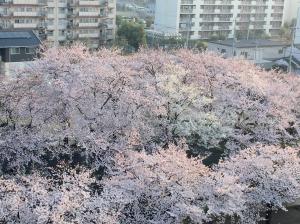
column 187, row 2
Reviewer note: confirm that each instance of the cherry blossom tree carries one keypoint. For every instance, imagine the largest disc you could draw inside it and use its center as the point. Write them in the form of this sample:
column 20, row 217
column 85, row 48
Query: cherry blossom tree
column 73, row 103
column 168, row 187
column 35, row 199
column 101, row 137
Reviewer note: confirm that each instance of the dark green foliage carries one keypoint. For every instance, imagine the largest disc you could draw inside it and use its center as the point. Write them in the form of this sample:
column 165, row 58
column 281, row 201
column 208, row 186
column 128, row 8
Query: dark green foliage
column 132, row 33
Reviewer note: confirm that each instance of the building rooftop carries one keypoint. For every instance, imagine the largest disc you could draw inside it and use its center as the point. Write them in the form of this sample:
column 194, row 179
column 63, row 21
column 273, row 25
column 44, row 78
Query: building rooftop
column 250, row 43
column 24, row 38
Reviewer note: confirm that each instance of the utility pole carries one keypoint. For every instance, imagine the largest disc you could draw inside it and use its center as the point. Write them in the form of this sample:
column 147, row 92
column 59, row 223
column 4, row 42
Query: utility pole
column 248, row 32
column 152, row 38
column 188, row 31
column 293, row 29
column 233, row 41
column 56, row 23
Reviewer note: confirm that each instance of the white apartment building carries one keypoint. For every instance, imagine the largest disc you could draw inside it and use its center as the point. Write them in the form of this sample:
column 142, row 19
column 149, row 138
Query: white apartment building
column 203, row 19
column 62, row 21
column 291, row 10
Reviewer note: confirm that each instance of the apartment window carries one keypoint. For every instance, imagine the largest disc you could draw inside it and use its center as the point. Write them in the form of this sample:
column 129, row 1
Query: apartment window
column 50, row 10
column 28, row 21
column 15, row 50
column 109, row 32
column 88, row 20
column 50, row 22
column 245, row 54
column 61, row 10
column 29, row 50
column 280, row 51
column 88, row 9
column 19, row 21
column 50, row 33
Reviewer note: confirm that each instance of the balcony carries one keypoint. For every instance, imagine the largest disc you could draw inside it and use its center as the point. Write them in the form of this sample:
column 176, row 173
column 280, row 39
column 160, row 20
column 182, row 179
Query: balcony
column 59, row 4
column 186, row 11
column 25, row 25
column 109, row 3
column 60, row 16
column 278, row 2
column 216, row 11
column 89, row 3
column 61, row 38
column 26, row 2
column 88, row 24
column 110, row 25
column 109, row 36
column 7, row 14
column 187, row 2
column 87, row 14
column 88, row 35
column 50, row 27
column 27, row 14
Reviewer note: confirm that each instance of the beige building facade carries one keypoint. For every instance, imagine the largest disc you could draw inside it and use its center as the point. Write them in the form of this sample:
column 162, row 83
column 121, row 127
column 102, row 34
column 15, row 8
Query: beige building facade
column 203, row 19
column 59, row 22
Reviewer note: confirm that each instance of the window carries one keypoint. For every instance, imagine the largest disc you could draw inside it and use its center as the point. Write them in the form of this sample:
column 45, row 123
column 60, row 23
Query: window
column 19, row 21
column 245, row 54
column 50, row 33
column 29, row 50
column 15, row 51
column 50, row 10
column 280, row 51
column 61, row 10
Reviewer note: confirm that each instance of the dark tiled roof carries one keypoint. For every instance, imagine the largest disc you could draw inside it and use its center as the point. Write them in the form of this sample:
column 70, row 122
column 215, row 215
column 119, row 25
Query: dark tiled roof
column 250, row 43
column 24, row 38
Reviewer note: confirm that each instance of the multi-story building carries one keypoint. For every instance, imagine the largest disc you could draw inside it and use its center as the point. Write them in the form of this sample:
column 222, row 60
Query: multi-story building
column 291, row 10
column 62, row 21
column 204, row 19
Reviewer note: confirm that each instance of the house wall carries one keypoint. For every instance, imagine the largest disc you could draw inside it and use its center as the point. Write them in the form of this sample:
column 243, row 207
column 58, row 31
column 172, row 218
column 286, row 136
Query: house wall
column 256, row 54
column 20, row 57
column 2, row 54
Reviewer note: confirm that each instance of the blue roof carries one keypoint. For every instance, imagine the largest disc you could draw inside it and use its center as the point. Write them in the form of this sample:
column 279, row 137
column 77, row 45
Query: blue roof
column 24, row 38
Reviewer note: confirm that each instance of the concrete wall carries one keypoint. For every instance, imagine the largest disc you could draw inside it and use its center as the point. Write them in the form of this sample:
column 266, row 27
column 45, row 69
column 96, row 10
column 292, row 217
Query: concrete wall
column 12, row 68
column 292, row 216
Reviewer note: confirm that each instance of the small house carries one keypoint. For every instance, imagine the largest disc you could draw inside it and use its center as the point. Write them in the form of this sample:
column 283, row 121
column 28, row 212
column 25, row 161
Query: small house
column 259, row 51
column 18, row 46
